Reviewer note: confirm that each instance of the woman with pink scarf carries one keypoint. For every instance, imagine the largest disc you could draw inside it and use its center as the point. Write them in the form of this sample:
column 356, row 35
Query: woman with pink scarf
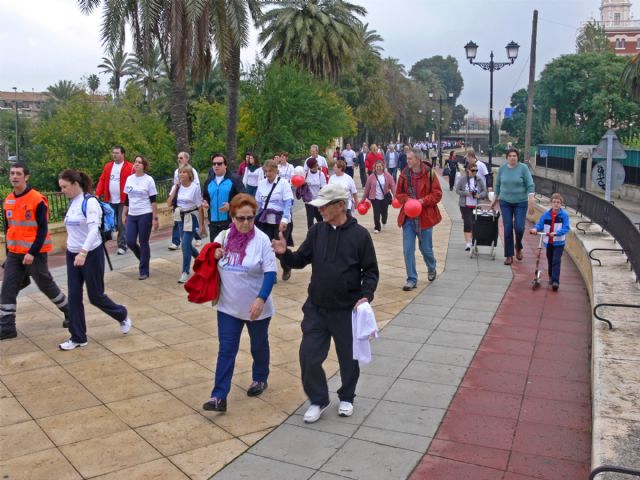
column 247, row 270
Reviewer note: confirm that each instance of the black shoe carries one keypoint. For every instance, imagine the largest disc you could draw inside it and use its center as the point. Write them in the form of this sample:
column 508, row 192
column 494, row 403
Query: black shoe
column 555, row 286
column 7, row 334
column 432, row 276
column 286, row 275
column 65, row 322
column 256, row 389
column 215, row 405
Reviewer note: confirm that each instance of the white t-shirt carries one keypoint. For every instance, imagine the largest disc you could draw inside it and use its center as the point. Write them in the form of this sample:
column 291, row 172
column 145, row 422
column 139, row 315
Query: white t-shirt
column 322, row 162
column 483, row 171
column 252, row 178
column 347, row 183
column 114, row 182
column 83, row 232
column 349, row 156
column 240, row 284
column 285, row 171
column 281, row 194
column 469, row 186
column 189, row 197
column 196, row 178
column 138, row 190
column 315, row 181
column 393, row 160
column 380, row 182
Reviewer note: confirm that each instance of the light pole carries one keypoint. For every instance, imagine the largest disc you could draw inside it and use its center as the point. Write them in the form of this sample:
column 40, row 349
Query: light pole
column 440, row 99
column 15, row 101
column 471, row 50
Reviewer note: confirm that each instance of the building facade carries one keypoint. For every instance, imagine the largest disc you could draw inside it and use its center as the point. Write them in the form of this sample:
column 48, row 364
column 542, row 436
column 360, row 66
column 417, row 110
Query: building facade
column 622, row 30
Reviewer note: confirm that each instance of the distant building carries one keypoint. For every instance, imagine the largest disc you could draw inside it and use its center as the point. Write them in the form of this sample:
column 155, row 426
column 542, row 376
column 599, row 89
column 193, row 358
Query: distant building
column 29, row 103
column 622, row 30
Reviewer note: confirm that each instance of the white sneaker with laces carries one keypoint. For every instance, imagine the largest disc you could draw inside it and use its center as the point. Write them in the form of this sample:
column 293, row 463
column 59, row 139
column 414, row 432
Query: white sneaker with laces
column 173, row 246
column 70, row 345
column 125, row 325
column 345, row 409
column 198, row 243
column 183, row 277
column 314, row 412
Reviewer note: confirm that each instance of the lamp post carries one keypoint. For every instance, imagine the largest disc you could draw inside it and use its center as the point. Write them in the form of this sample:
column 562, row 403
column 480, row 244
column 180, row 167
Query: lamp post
column 471, row 50
column 15, row 101
column 440, row 99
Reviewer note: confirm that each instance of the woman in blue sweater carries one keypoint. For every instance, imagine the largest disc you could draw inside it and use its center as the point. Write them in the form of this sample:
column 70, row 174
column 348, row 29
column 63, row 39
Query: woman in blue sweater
column 514, row 190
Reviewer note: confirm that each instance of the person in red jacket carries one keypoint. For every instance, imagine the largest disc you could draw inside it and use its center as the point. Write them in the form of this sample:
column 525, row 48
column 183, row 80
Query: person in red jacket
column 418, row 181
column 372, row 157
column 111, row 188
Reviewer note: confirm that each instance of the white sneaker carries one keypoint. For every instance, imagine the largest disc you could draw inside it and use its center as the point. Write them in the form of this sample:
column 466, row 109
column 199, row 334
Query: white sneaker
column 173, row 246
column 345, row 409
column 198, row 243
column 70, row 345
column 183, row 277
column 125, row 325
column 314, row 412
column 121, row 251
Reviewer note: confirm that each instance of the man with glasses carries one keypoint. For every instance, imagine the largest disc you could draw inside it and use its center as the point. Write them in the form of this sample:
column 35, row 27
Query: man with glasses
column 221, row 186
column 344, row 274
column 111, row 187
column 183, row 159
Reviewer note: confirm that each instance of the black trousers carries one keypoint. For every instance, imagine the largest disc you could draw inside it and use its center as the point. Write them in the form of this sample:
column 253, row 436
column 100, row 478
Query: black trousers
column 452, row 179
column 349, row 171
column 363, row 175
column 312, row 214
column 216, row 227
column 319, row 326
column 14, row 272
column 380, row 210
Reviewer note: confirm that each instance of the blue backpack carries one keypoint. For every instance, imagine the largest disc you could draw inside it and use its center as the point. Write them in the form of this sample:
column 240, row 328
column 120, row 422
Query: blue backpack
column 108, row 224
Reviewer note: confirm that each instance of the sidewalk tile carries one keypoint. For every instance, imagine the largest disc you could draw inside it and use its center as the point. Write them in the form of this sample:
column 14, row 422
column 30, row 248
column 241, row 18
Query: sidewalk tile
column 458, row 357
column 81, row 425
column 474, row 454
column 456, row 340
column 21, row 439
column 558, row 389
column 12, row 412
column 149, row 409
column 433, row 373
column 553, row 441
column 421, row 393
column 47, row 464
column 432, row 468
column 400, row 417
column 501, row 362
column 57, row 400
column 156, row 469
column 505, row 382
column 576, row 370
column 253, row 466
column 23, row 362
column 484, row 402
column 555, row 412
column 507, row 346
column 179, row 374
column 406, row 441
column 120, row 387
column 547, row 468
column 478, row 430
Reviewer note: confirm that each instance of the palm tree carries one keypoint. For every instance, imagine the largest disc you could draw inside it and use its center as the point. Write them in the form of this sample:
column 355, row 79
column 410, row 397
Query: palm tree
column 370, row 40
column 119, row 65
column 148, row 70
column 322, row 36
column 63, row 90
column 631, row 77
column 93, row 82
column 212, row 87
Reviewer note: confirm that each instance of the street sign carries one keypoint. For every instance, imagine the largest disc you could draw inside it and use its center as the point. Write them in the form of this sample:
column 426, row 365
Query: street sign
column 609, row 148
column 600, row 151
column 599, row 175
column 544, row 153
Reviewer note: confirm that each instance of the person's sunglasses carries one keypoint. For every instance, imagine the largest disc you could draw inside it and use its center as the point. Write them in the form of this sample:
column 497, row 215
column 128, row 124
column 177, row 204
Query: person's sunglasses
column 245, row 219
column 217, row 164
column 473, row 170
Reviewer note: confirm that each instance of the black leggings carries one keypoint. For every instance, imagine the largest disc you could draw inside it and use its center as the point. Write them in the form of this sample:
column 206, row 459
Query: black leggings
column 380, row 210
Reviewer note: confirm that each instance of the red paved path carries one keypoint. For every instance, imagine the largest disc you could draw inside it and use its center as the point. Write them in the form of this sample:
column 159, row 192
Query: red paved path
column 522, row 411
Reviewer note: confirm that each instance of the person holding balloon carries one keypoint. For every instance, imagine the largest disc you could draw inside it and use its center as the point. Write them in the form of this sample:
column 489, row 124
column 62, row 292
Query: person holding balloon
column 379, row 189
column 418, row 193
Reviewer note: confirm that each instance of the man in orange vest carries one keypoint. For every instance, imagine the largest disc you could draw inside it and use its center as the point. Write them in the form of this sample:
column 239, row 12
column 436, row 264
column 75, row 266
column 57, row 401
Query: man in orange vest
column 26, row 217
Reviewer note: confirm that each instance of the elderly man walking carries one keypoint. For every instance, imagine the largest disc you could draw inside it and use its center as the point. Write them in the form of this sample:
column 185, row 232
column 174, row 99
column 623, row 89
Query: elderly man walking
column 344, row 274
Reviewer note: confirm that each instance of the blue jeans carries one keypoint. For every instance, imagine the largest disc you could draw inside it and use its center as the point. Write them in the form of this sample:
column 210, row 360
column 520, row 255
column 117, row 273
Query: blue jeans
column 393, row 171
column 229, row 331
column 409, row 235
column 175, row 235
column 120, row 226
column 554, row 257
column 138, row 233
column 188, row 250
column 513, row 218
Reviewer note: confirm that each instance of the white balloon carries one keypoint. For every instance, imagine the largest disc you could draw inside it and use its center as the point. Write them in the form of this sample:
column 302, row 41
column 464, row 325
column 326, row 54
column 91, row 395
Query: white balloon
column 298, row 170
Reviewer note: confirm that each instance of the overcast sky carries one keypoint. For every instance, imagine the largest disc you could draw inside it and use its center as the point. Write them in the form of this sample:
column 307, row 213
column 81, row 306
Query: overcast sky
column 43, row 41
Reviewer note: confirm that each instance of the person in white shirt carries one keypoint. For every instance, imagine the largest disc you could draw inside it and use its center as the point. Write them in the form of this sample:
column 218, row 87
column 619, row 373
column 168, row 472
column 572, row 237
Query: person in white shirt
column 349, row 157
column 183, row 159
column 187, row 200
column 391, row 159
column 341, row 178
column 379, row 184
column 85, row 258
column 247, row 270
column 252, row 174
column 285, row 169
column 140, row 213
column 314, row 180
column 322, row 162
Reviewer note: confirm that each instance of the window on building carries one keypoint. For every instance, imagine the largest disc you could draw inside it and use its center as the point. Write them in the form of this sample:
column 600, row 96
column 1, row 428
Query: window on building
column 616, row 19
column 620, row 43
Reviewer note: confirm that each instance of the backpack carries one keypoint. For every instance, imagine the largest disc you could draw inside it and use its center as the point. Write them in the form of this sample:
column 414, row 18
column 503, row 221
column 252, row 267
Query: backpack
column 108, row 223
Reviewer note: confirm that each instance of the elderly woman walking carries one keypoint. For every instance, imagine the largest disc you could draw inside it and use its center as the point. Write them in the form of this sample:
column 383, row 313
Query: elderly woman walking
column 515, row 191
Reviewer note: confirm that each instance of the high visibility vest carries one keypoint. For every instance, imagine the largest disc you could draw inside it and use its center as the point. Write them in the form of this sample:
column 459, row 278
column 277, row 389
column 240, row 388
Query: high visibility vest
column 21, row 221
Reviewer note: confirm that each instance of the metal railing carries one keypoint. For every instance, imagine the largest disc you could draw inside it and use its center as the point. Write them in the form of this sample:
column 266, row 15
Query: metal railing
column 611, row 469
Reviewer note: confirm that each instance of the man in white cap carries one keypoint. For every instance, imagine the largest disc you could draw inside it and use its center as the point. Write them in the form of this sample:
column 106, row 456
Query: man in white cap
column 344, row 274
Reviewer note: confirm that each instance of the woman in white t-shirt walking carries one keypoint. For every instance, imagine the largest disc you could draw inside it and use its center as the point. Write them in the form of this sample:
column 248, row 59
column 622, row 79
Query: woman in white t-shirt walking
column 183, row 159
column 252, row 174
column 340, row 177
column 247, row 270
column 314, row 180
column 189, row 215
column 85, row 258
column 140, row 213
column 379, row 184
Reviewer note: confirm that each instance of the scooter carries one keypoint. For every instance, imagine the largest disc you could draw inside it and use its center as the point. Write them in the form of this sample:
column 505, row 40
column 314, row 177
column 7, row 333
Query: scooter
column 538, row 275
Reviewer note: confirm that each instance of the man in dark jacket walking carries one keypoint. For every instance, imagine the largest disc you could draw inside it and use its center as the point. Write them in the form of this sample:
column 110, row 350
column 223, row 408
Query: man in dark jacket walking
column 344, row 274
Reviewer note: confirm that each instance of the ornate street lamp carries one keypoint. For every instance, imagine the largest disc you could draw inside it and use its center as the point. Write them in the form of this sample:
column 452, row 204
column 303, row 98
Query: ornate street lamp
column 471, row 50
column 440, row 99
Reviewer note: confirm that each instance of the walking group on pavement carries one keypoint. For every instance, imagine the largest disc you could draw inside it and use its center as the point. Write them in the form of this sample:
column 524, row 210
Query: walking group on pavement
column 250, row 227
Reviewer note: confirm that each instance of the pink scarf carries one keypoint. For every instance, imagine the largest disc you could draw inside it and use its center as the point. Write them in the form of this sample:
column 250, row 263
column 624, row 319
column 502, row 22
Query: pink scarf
column 236, row 242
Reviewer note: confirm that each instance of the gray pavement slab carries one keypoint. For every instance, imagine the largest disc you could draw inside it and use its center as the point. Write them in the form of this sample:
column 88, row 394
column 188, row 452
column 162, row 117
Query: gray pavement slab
column 434, row 373
column 405, row 418
column 457, row 340
column 421, row 393
column 458, row 357
column 249, row 466
column 408, row 441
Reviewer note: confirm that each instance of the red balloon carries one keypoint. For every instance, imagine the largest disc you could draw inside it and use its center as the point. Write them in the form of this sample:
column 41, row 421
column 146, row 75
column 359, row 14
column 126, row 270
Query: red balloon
column 412, row 208
column 367, row 202
column 297, row 180
column 395, row 203
column 362, row 208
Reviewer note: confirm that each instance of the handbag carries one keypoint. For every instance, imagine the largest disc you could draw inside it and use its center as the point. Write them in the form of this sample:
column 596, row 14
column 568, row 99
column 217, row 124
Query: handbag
column 388, row 197
column 447, row 171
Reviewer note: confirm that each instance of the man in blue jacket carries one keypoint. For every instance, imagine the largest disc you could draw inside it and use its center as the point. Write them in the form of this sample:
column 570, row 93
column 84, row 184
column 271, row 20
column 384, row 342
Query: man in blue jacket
column 221, row 186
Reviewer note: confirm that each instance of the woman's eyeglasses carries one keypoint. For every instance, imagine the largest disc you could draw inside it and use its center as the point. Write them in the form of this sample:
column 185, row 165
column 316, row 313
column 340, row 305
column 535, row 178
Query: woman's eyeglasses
column 245, row 219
